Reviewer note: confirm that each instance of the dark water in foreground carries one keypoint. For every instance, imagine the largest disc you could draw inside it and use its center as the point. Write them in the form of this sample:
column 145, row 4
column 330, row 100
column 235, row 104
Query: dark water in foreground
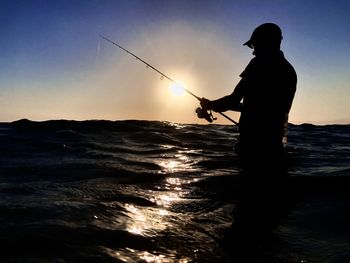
column 140, row 191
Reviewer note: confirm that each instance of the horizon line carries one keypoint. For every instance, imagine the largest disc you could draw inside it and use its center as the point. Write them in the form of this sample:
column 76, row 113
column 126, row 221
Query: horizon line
column 316, row 123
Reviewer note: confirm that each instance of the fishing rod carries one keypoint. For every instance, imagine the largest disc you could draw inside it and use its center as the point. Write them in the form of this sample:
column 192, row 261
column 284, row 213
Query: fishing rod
column 200, row 112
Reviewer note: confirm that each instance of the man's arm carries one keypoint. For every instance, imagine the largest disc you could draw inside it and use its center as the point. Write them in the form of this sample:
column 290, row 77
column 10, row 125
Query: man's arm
column 230, row 102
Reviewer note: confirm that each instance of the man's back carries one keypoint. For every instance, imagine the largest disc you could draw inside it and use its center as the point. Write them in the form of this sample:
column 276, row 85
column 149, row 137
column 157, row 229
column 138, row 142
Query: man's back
column 268, row 91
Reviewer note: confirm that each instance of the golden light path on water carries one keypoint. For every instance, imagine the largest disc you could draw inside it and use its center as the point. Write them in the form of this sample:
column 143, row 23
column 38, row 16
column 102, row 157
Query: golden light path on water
column 150, row 221
column 147, row 257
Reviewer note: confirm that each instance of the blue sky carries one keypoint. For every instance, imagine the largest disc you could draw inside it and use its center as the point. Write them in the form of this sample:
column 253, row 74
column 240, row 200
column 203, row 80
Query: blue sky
column 54, row 66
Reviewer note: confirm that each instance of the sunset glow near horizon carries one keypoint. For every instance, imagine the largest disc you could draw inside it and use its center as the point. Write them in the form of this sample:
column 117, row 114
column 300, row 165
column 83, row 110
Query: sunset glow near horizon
column 54, row 65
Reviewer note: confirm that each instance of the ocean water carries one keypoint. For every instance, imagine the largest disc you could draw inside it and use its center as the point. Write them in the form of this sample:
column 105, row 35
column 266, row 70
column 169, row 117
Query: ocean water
column 145, row 191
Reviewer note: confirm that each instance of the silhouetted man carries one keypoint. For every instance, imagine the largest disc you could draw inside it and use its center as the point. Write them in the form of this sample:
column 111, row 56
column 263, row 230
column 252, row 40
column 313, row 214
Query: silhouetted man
column 264, row 95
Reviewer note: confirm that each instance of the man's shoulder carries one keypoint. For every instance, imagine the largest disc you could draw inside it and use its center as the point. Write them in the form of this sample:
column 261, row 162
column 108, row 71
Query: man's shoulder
column 251, row 67
column 288, row 68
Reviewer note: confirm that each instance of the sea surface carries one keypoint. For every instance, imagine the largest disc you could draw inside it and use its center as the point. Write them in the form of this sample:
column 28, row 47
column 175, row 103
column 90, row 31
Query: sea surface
column 148, row 191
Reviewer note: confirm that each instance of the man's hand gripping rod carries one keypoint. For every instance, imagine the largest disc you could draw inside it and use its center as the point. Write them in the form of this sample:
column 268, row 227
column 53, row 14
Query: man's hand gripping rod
column 200, row 112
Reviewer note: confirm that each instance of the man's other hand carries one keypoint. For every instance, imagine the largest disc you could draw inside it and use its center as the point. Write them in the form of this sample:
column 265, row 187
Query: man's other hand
column 205, row 104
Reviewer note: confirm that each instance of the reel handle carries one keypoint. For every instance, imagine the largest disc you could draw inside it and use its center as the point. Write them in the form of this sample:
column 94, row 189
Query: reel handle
column 203, row 114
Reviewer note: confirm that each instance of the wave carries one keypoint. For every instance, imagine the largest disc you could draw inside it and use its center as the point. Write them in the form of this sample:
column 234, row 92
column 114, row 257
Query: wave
column 149, row 190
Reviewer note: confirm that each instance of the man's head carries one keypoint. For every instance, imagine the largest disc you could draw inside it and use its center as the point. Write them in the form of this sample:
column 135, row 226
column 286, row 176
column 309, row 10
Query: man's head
column 267, row 35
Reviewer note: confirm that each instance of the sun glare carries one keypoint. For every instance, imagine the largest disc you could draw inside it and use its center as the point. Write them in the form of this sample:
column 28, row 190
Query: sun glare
column 177, row 89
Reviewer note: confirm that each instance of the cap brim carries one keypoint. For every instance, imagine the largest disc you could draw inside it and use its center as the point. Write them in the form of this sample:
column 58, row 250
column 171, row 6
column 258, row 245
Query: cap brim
column 248, row 43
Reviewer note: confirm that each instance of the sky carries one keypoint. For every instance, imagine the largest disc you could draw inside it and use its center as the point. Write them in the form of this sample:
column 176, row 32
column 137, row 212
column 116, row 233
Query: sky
column 54, row 65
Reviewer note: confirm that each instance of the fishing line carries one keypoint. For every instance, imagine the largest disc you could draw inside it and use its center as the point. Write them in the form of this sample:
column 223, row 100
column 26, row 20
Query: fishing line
column 200, row 112
column 98, row 48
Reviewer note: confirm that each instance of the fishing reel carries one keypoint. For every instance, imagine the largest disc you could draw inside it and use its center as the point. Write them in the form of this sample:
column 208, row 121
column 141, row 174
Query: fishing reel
column 203, row 114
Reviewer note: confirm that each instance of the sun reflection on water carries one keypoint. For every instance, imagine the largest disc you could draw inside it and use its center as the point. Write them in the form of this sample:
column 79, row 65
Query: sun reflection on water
column 179, row 162
column 146, row 221
column 149, row 257
column 166, row 199
column 133, row 255
column 151, row 221
column 170, row 165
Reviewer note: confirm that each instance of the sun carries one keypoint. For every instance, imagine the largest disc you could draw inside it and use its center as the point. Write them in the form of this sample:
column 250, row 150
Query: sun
column 177, row 89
